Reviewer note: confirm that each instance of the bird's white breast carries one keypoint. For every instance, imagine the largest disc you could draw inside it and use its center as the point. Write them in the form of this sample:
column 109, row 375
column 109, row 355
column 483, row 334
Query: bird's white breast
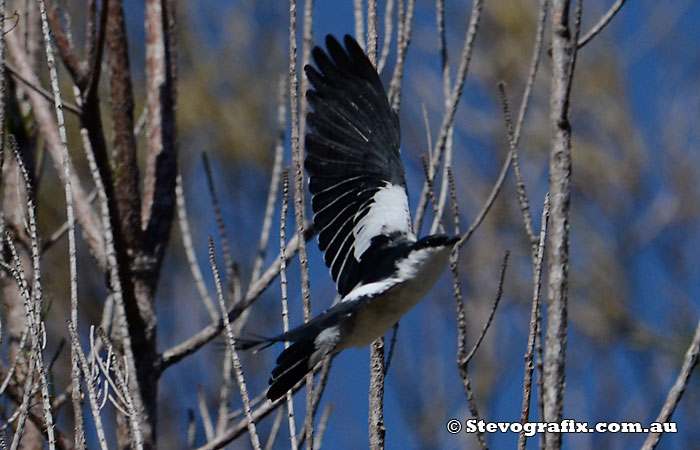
column 414, row 278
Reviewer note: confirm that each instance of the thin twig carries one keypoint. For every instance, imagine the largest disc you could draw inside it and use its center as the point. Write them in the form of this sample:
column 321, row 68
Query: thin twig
column 455, row 96
column 274, row 431
column 534, row 65
column 437, row 223
column 275, row 179
column 403, row 39
column 194, row 343
column 221, row 226
column 190, row 253
column 388, row 23
column 89, row 382
column 14, row 71
column 62, row 230
column 122, row 382
column 260, row 413
column 318, row 393
column 602, row 23
column 72, row 252
column 392, row 345
column 230, row 341
column 494, row 306
column 676, row 393
column 488, row 203
column 204, row 412
column 322, row 425
column 534, row 323
column 283, row 286
column 359, row 23
column 520, row 184
column 446, row 86
column 224, row 393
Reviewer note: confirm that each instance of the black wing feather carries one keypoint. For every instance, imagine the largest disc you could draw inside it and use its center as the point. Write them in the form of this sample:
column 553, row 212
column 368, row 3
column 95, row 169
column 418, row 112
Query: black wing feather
column 352, row 150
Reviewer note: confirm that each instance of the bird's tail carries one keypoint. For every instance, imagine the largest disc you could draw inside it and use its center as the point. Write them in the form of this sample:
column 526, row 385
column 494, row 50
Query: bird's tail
column 292, row 365
column 295, row 361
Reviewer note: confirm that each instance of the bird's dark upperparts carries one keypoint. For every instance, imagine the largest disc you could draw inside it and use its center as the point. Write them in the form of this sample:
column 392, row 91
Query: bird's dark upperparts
column 360, row 207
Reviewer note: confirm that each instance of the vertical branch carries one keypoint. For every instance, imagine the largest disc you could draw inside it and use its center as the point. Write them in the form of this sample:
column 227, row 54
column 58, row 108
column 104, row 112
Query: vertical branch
column 377, row 430
column 297, row 158
column 2, row 93
column 563, row 61
column 307, row 43
column 70, row 213
column 405, row 27
column 372, row 31
column 33, row 303
column 388, row 23
column 49, row 131
column 283, row 286
column 126, row 184
column 161, row 161
column 534, row 323
column 359, row 23
column 446, row 86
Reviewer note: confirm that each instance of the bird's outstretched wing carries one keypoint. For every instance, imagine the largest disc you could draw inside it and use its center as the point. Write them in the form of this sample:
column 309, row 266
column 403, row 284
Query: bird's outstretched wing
column 357, row 180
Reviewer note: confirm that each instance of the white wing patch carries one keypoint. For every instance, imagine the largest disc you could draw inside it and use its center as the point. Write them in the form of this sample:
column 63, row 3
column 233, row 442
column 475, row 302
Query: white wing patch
column 389, row 213
column 373, row 289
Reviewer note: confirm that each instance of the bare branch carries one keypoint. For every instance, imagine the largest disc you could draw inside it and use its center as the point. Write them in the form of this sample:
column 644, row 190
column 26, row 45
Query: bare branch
column 70, row 213
column 189, row 250
column 676, row 393
column 283, row 287
column 76, row 68
column 204, row 412
column 388, row 13
column 403, row 39
column 377, row 430
column 49, row 130
column 359, row 23
column 489, row 202
column 535, row 323
column 450, row 112
column 494, row 306
column 232, row 351
column 602, row 23
column 15, row 72
column 275, row 178
column 161, row 160
column 372, row 31
column 191, row 345
column 520, row 184
column 220, row 225
column 299, row 187
column 126, row 185
column 534, row 65
column 563, row 62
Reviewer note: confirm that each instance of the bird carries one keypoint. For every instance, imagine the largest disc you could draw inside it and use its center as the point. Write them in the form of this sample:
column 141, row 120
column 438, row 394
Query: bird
column 361, row 211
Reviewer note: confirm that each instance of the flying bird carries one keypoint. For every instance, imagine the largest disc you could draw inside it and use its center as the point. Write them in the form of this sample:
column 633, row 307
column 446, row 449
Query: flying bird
column 361, row 211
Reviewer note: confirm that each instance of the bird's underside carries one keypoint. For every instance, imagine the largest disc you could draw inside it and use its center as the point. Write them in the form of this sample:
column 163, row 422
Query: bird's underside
column 360, row 207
